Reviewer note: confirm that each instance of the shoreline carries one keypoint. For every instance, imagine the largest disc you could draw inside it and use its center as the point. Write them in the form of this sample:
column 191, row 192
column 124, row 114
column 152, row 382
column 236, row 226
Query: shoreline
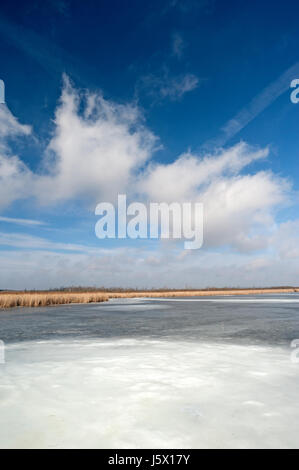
column 47, row 298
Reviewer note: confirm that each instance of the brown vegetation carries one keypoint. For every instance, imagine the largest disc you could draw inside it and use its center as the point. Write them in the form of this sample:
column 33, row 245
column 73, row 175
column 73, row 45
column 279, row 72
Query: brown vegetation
column 202, row 293
column 25, row 299
column 47, row 298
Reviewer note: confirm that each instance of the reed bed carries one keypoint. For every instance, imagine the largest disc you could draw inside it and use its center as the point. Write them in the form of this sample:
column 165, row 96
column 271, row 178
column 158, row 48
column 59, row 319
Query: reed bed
column 202, row 293
column 44, row 299
column 48, row 298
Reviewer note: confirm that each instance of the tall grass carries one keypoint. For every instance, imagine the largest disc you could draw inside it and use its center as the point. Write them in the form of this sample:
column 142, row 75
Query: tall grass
column 202, row 293
column 25, row 299
column 43, row 299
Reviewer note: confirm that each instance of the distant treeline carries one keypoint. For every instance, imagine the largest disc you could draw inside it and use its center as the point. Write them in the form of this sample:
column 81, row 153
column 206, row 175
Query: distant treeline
column 130, row 289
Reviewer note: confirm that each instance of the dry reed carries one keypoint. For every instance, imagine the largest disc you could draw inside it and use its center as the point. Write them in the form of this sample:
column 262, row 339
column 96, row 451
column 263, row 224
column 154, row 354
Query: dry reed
column 43, row 299
column 202, row 293
column 24, row 299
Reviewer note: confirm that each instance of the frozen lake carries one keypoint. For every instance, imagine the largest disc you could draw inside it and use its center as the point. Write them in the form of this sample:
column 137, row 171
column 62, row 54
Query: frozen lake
column 182, row 373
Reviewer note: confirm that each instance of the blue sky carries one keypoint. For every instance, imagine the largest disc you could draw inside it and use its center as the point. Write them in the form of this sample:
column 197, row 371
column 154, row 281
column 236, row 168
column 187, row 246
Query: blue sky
column 178, row 88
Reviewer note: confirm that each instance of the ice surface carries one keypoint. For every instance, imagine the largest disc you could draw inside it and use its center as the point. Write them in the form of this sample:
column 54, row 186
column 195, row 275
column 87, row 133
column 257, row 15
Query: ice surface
column 280, row 300
column 126, row 393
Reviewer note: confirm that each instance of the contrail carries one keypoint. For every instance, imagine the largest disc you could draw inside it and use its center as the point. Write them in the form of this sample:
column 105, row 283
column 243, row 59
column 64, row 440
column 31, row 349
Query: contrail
column 258, row 104
column 46, row 53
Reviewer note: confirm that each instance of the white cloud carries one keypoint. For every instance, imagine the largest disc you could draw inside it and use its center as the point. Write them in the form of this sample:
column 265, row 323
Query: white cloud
column 94, row 154
column 100, row 148
column 236, row 208
column 285, row 240
column 15, row 177
column 133, row 267
column 182, row 178
column 10, row 126
column 236, row 205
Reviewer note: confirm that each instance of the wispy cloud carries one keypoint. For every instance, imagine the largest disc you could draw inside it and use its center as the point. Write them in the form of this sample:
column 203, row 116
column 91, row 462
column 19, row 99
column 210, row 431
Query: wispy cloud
column 17, row 221
column 187, row 6
column 178, row 45
column 10, row 126
column 165, row 86
column 37, row 47
column 51, row 57
column 48, row 7
column 61, row 6
column 25, row 242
